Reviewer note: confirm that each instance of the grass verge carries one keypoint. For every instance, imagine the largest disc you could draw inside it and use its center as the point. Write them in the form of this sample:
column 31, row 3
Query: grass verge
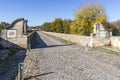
column 61, row 40
column 107, row 50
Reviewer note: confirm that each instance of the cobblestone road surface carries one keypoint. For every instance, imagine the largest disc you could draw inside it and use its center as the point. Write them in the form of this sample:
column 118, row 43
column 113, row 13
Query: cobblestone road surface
column 58, row 61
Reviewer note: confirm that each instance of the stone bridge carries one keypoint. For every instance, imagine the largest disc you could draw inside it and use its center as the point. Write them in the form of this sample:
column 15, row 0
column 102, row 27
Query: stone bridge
column 51, row 59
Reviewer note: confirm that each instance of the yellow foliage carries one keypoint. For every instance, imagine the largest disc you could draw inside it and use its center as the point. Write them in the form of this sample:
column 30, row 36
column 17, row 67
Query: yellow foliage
column 86, row 17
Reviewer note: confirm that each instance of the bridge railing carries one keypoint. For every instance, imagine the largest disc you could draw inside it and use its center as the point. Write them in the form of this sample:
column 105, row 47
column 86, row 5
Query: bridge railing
column 30, row 42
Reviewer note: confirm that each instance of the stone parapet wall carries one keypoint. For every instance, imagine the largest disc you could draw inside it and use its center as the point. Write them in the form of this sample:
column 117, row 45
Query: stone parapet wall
column 82, row 40
column 15, row 34
column 95, row 42
column 31, row 38
column 18, row 42
column 115, row 42
column 14, row 42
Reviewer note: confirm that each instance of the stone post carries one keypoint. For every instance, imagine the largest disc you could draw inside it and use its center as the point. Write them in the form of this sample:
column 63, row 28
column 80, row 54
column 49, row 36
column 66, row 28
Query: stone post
column 20, row 71
column 91, row 39
column 25, row 27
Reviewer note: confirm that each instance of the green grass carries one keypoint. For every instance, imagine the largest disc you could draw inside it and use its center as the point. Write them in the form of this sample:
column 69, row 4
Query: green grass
column 66, row 41
column 61, row 40
column 111, row 51
column 106, row 50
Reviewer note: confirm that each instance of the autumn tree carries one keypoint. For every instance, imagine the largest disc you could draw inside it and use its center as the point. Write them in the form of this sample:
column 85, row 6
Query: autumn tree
column 57, row 25
column 74, row 28
column 66, row 26
column 46, row 26
column 3, row 25
column 113, row 27
column 86, row 17
column 117, row 24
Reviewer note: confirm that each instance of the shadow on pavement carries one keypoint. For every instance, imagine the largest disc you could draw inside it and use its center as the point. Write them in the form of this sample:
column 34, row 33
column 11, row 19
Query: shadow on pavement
column 38, row 75
column 56, row 45
column 9, row 65
column 39, row 43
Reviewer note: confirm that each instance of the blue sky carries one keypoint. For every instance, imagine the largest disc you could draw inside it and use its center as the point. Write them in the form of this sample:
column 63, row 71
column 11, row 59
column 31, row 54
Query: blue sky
column 39, row 11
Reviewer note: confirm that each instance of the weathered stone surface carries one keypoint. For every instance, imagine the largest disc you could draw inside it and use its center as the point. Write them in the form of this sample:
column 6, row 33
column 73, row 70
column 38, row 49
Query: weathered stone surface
column 100, row 31
column 4, row 54
column 70, row 63
column 82, row 40
column 100, row 42
column 92, row 41
column 97, row 27
column 11, row 74
column 20, row 25
column 115, row 42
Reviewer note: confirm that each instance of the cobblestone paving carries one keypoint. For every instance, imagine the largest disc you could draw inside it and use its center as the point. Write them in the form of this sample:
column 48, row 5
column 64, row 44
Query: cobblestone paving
column 71, row 63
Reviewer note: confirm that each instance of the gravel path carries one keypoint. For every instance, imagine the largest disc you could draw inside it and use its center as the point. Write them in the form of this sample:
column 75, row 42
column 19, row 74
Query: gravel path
column 73, row 62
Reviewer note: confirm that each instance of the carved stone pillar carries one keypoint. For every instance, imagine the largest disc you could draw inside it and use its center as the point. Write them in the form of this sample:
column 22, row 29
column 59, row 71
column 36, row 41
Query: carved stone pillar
column 25, row 27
